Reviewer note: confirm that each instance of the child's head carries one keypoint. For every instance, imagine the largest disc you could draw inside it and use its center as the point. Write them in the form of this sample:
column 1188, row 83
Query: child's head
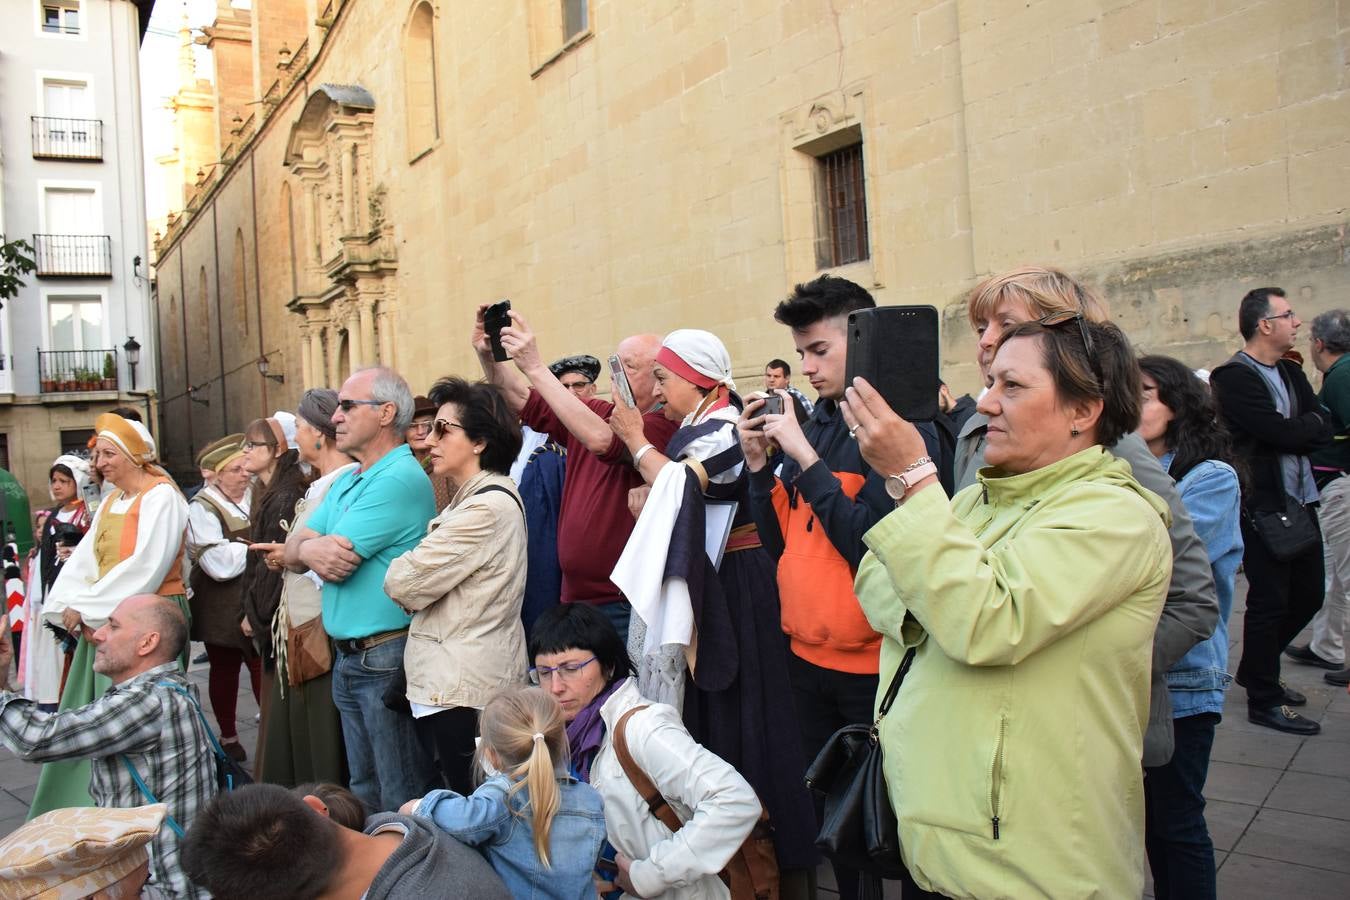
column 525, row 738
column 340, row 804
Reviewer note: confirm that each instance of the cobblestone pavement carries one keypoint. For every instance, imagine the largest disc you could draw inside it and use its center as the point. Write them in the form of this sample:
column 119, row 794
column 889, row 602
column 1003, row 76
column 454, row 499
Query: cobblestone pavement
column 1279, row 805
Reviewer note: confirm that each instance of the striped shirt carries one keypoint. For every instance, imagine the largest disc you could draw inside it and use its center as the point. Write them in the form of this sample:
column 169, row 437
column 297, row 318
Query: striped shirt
column 159, row 731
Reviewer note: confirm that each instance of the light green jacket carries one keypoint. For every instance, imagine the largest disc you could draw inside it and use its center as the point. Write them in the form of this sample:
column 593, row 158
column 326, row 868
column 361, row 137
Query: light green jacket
column 1012, row 754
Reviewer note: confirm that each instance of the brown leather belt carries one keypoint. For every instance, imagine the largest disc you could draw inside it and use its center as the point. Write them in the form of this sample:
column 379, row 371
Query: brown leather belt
column 359, row 645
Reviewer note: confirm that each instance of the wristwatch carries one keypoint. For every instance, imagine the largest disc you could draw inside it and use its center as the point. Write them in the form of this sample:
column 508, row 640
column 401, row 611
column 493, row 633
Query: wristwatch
column 898, row 485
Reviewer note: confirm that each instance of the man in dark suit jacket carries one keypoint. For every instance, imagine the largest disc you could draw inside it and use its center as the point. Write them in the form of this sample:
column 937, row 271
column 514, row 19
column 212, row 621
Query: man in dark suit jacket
column 1275, row 419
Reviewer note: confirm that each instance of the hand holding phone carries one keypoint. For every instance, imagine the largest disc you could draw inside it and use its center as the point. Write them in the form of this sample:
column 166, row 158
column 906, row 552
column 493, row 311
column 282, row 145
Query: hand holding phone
column 773, row 405
column 495, row 318
column 896, row 349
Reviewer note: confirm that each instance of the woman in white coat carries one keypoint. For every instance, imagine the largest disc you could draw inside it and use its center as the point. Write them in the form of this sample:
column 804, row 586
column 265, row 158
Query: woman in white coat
column 579, row 658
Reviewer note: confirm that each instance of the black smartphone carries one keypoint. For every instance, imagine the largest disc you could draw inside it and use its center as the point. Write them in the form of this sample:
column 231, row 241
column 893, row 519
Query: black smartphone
column 495, row 318
column 896, row 349
column 773, row 406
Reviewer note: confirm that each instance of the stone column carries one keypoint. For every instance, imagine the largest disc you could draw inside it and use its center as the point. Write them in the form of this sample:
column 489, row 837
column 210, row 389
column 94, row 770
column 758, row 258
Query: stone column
column 334, row 370
column 354, row 360
column 305, row 371
column 313, row 226
column 366, row 311
column 348, row 193
column 315, row 375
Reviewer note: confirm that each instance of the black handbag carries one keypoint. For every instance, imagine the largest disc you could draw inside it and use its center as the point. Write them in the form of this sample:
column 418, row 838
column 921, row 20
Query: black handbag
column 859, row 829
column 1286, row 533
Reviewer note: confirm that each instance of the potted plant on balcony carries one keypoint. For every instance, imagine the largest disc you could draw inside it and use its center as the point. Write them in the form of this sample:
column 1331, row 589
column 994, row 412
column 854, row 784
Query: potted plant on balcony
column 87, row 378
column 49, row 383
column 68, row 381
column 109, row 373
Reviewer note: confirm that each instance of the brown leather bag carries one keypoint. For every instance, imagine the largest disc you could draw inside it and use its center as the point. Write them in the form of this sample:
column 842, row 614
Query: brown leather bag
column 308, row 652
column 752, row 874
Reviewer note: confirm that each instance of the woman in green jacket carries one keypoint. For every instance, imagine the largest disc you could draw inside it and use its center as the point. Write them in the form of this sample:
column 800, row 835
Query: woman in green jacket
column 1012, row 754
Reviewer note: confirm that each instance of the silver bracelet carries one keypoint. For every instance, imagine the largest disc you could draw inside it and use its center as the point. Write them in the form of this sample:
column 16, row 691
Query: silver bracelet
column 921, row 461
column 641, row 452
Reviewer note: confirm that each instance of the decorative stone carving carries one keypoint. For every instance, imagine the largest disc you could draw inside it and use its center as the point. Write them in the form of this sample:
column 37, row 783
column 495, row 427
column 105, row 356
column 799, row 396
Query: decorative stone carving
column 351, row 271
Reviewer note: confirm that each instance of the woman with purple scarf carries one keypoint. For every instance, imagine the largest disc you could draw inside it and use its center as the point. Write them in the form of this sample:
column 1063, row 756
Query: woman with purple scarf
column 579, row 658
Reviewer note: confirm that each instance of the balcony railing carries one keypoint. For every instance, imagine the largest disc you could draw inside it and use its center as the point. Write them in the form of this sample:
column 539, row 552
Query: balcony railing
column 67, row 371
column 73, row 255
column 67, row 138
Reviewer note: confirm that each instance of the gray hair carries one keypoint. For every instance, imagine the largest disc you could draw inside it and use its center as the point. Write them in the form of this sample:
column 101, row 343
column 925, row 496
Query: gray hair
column 389, row 387
column 1332, row 328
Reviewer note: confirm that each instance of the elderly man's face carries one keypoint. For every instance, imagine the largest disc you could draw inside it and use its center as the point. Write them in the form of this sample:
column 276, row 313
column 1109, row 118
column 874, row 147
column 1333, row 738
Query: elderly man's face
column 418, row 435
column 359, row 426
column 578, row 384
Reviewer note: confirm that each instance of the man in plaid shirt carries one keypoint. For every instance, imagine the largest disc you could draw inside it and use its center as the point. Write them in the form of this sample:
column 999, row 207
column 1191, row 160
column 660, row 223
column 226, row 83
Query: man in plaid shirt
column 155, row 727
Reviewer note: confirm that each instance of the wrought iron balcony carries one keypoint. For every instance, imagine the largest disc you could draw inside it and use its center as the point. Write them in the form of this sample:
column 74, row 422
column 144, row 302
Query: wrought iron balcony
column 73, row 255
column 70, row 371
column 67, row 138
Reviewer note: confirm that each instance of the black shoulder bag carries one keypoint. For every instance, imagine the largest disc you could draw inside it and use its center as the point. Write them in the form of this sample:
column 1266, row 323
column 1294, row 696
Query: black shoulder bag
column 859, row 829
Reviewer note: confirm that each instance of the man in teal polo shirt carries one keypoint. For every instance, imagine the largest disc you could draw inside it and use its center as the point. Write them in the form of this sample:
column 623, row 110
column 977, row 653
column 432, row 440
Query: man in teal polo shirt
column 370, row 515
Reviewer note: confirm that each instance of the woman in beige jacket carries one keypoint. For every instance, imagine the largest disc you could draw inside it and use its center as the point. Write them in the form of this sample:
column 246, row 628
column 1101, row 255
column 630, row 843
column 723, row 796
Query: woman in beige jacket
column 465, row 581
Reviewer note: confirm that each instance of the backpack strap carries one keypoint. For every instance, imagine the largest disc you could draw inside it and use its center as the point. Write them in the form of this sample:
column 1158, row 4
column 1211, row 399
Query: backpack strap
column 146, row 792
column 206, row 726
column 498, row 487
column 639, row 779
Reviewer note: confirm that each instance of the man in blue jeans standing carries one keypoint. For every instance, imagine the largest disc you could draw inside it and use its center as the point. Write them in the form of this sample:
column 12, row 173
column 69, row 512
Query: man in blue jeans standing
column 370, row 516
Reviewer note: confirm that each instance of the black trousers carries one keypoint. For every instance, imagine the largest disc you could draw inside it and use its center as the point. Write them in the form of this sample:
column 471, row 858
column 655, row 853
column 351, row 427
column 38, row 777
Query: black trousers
column 1176, row 838
column 1282, row 597
column 827, row 700
column 449, row 734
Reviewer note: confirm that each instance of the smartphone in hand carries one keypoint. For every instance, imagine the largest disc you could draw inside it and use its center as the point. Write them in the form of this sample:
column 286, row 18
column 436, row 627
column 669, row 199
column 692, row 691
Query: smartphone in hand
column 619, row 378
column 495, row 318
column 773, row 406
column 896, row 349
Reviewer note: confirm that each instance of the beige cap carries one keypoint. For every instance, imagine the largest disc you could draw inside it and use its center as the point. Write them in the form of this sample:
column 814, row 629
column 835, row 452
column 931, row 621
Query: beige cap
column 71, row 853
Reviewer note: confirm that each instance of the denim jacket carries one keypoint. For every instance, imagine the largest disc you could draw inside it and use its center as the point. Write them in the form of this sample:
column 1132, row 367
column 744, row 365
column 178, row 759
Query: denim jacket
column 1211, row 495
column 493, row 822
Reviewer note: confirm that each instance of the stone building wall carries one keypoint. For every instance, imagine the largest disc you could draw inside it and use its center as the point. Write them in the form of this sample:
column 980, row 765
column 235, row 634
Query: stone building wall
column 657, row 171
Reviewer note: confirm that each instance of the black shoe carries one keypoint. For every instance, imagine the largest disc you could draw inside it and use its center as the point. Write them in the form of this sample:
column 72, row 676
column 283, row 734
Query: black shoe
column 234, row 750
column 1282, row 718
column 1305, row 655
column 1340, row 679
column 1292, row 697
column 200, row 659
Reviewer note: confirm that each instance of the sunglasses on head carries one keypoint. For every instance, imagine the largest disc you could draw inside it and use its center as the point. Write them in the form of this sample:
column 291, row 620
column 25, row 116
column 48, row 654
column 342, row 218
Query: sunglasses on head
column 1064, row 317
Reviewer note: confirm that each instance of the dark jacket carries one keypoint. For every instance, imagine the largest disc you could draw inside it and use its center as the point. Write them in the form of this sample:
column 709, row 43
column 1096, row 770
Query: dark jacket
column 262, row 586
column 812, row 523
column 1260, row 434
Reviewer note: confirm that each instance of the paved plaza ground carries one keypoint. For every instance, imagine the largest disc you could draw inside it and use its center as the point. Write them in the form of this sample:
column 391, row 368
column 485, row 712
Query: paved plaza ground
column 1279, row 805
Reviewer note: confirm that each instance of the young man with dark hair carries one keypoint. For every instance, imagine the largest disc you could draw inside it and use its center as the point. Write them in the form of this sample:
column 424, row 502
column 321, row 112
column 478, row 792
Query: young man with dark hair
column 812, row 518
column 1276, row 421
column 262, row 842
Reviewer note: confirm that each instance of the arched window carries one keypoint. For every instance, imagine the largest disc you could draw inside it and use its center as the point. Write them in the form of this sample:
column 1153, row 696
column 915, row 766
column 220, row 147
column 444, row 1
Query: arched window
column 419, row 77
column 240, row 282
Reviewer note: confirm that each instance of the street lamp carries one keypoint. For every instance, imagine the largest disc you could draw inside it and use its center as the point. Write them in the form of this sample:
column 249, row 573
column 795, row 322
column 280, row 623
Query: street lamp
column 263, row 366
column 133, row 350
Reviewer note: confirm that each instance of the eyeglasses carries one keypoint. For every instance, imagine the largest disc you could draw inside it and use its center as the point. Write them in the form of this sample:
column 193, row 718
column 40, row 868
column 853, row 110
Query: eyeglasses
column 249, row 445
column 1068, row 315
column 567, row 672
column 577, row 385
column 420, row 429
column 348, row 405
column 441, row 427
column 1284, row 315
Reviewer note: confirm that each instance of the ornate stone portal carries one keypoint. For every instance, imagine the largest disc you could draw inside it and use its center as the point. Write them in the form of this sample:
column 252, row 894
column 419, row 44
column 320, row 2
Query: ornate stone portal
column 345, row 255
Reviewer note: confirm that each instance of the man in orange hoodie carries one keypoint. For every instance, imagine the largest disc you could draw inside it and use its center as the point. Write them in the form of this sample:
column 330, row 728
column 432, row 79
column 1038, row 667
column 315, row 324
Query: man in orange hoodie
column 812, row 518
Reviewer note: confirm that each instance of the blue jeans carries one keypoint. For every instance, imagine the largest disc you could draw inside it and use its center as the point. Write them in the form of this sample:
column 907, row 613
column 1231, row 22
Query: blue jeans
column 388, row 764
column 1180, row 852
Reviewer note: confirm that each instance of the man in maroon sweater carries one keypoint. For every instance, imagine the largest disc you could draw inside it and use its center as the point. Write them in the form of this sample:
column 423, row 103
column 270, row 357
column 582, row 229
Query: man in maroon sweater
column 594, row 522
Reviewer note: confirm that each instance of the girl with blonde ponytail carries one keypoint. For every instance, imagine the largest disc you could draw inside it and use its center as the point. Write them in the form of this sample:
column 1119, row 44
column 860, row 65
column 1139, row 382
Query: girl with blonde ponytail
column 538, row 827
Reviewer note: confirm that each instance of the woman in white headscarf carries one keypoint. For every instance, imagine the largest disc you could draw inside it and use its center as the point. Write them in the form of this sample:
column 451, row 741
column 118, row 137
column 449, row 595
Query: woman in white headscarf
column 703, row 586
column 64, row 524
column 135, row 546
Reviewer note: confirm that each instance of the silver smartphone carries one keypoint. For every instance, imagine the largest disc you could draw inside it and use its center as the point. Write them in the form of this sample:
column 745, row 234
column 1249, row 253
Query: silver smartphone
column 619, row 378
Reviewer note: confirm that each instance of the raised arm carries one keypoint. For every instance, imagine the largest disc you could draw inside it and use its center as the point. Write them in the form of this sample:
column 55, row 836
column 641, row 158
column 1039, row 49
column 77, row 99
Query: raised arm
column 503, row 374
column 576, row 416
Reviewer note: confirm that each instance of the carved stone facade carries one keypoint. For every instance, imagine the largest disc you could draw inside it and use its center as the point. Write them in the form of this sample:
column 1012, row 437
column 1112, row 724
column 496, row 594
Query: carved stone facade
column 347, row 261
